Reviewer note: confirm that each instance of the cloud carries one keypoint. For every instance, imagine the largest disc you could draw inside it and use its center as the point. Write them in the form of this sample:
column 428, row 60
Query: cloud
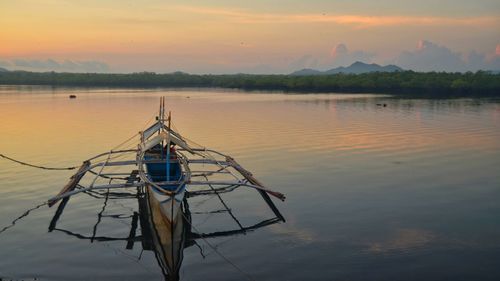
column 4, row 63
column 341, row 56
column 427, row 56
column 339, row 50
column 306, row 61
column 91, row 66
column 431, row 57
column 494, row 64
column 71, row 66
column 475, row 61
column 362, row 21
column 493, row 60
column 53, row 65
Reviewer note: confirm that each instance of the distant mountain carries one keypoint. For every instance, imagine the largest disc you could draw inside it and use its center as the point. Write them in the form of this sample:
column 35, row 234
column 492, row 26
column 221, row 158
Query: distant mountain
column 3, row 69
column 306, row 72
column 355, row 68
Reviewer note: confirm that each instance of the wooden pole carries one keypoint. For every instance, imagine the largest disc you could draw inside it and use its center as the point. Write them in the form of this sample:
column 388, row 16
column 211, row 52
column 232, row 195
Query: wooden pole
column 131, row 235
column 58, row 214
column 263, row 192
column 168, row 161
column 169, row 118
column 72, row 182
column 159, row 112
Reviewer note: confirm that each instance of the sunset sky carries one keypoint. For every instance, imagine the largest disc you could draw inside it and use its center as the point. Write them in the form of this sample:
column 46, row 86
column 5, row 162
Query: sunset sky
column 252, row 36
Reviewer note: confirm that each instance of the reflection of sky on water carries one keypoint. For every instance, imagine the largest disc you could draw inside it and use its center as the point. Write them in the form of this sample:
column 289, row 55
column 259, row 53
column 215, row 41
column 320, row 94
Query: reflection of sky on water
column 370, row 189
column 402, row 240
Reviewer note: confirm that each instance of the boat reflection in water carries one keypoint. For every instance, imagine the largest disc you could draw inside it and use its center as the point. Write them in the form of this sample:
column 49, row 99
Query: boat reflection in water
column 157, row 233
column 167, row 239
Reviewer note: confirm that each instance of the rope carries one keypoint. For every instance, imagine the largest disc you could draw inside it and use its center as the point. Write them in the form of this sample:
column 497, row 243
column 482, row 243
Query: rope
column 214, row 248
column 125, row 141
column 36, row 166
column 25, row 214
column 225, row 206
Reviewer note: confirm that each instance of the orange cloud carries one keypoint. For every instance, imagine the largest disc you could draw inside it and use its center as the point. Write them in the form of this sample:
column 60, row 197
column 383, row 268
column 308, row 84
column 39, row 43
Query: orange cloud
column 339, row 50
column 242, row 16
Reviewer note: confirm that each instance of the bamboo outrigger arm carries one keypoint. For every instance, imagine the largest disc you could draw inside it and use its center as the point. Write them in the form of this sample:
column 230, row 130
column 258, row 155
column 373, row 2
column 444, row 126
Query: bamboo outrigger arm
column 71, row 184
column 242, row 183
column 160, row 134
column 96, row 187
column 248, row 179
column 230, row 162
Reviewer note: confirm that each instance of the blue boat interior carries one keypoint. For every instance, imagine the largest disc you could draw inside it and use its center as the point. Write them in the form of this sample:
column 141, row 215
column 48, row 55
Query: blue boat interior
column 157, row 172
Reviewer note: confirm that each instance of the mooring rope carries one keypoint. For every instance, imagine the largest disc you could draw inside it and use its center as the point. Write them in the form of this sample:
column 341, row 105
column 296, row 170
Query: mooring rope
column 37, row 166
column 125, row 141
column 214, row 248
column 25, row 214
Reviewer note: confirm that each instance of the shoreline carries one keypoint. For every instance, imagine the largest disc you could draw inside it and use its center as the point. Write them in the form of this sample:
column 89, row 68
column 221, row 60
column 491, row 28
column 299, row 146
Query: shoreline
column 407, row 83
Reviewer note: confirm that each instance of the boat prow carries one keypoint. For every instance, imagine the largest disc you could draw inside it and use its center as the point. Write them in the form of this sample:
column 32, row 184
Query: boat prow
column 167, row 236
column 163, row 170
column 170, row 205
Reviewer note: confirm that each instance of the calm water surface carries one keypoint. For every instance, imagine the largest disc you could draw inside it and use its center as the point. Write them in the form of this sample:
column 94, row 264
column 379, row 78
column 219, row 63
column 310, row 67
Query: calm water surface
column 410, row 191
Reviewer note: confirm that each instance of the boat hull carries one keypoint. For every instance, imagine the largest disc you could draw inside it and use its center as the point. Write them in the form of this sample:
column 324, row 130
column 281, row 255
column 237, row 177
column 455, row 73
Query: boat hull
column 168, row 236
column 170, row 205
column 157, row 172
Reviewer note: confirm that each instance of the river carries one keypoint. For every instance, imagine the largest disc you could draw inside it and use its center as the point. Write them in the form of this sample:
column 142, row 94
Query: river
column 378, row 187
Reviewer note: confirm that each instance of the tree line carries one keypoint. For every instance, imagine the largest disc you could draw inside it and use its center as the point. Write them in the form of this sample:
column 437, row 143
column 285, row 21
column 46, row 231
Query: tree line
column 405, row 82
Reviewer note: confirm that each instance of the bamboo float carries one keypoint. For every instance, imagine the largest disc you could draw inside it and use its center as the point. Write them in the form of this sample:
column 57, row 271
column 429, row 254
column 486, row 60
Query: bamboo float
column 71, row 184
column 249, row 176
column 263, row 191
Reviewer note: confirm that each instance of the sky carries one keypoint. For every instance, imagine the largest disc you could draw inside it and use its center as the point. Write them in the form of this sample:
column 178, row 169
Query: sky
column 222, row 36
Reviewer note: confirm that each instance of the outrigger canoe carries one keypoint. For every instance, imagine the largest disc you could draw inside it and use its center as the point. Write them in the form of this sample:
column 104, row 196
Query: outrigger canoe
column 166, row 169
column 162, row 169
column 168, row 166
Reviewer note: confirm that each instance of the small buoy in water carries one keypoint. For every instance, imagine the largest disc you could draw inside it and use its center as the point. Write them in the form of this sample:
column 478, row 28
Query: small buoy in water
column 188, row 97
column 72, row 96
column 385, row 105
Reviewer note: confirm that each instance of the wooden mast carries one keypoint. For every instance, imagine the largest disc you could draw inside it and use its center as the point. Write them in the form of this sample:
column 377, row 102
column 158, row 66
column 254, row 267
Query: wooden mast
column 169, row 118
